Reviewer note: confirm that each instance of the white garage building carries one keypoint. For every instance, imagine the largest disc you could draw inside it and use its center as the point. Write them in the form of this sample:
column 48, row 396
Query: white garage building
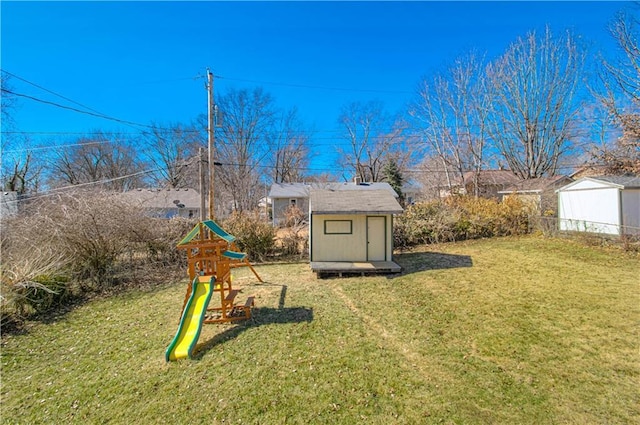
column 604, row 204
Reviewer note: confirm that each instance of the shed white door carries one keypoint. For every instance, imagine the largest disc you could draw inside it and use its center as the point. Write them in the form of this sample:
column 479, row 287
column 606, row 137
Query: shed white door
column 376, row 238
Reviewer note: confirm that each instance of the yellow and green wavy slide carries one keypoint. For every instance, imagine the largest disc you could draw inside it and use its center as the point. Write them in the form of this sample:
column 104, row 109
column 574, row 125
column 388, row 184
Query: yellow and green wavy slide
column 190, row 325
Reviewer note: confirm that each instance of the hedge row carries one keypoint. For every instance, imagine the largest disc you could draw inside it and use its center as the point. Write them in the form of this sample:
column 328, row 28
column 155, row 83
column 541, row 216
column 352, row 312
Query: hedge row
column 459, row 218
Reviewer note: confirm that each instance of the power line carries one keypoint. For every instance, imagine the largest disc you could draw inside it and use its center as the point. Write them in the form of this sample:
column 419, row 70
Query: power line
column 50, row 91
column 38, row 148
column 307, row 86
column 47, row 102
column 57, row 190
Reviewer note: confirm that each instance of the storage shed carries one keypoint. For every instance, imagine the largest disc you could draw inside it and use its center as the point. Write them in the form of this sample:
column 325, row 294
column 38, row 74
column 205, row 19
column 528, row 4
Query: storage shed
column 604, row 204
column 352, row 231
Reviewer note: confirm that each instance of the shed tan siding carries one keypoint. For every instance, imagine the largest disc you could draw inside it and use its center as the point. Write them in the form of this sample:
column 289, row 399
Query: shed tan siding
column 345, row 247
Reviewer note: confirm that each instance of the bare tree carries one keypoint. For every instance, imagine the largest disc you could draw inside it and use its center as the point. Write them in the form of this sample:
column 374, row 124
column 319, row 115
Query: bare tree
column 372, row 135
column 622, row 156
column 7, row 101
column 21, row 173
column 241, row 144
column 173, row 153
column 289, row 145
column 453, row 113
column 619, row 92
column 432, row 175
column 621, row 75
column 107, row 159
column 533, row 116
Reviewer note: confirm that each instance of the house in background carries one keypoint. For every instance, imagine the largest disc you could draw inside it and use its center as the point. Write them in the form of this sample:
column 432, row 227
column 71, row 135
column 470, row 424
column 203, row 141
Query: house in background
column 587, row 170
column 603, row 204
column 284, row 195
column 351, row 231
column 538, row 193
column 412, row 192
column 166, row 203
column 490, row 182
column 8, row 204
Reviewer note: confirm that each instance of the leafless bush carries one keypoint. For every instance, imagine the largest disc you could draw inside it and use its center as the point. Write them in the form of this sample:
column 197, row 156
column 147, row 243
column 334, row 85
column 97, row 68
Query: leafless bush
column 82, row 240
column 294, row 240
column 459, row 218
column 293, row 217
column 92, row 229
column 32, row 280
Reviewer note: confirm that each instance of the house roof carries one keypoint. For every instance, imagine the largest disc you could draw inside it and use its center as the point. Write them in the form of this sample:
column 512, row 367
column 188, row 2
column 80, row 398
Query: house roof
column 411, row 186
column 8, row 203
column 379, row 201
column 620, row 182
column 289, row 190
column 587, row 170
column 536, row 185
column 164, row 198
column 624, row 182
column 301, row 190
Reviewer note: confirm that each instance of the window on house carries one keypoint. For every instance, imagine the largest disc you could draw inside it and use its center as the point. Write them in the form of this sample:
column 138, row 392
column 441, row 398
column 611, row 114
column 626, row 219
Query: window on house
column 293, row 202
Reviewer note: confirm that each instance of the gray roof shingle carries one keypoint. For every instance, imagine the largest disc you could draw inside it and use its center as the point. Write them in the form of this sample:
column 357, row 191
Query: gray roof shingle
column 378, row 201
column 301, row 190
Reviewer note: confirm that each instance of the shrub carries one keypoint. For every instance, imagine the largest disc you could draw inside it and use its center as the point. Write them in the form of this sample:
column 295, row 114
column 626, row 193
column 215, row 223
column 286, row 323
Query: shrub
column 459, row 218
column 157, row 238
column 93, row 230
column 254, row 236
column 294, row 241
column 32, row 282
column 77, row 242
column 293, row 216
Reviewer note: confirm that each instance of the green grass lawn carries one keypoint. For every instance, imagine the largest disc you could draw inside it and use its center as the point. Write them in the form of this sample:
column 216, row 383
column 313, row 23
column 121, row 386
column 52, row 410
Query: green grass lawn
column 513, row 331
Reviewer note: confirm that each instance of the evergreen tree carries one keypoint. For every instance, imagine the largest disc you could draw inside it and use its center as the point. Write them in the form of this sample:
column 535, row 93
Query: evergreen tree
column 393, row 176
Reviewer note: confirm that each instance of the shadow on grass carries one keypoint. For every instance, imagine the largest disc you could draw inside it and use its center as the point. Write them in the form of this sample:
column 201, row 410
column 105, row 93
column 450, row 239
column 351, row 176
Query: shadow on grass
column 259, row 316
column 420, row 261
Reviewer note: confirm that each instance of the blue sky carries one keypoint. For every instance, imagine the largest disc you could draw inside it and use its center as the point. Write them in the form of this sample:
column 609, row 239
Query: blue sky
column 137, row 61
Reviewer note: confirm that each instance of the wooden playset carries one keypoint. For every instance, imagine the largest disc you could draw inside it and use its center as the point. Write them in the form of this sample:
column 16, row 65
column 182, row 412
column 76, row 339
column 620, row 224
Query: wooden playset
column 211, row 254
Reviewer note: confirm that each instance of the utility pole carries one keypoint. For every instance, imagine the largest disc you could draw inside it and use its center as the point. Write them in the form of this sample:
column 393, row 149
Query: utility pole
column 203, row 196
column 211, row 142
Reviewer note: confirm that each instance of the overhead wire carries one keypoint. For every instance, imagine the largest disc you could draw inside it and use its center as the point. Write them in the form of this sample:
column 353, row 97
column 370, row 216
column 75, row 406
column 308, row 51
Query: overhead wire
column 307, row 86
column 50, row 91
column 88, row 110
column 48, row 102
column 93, row 112
column 56, row 190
